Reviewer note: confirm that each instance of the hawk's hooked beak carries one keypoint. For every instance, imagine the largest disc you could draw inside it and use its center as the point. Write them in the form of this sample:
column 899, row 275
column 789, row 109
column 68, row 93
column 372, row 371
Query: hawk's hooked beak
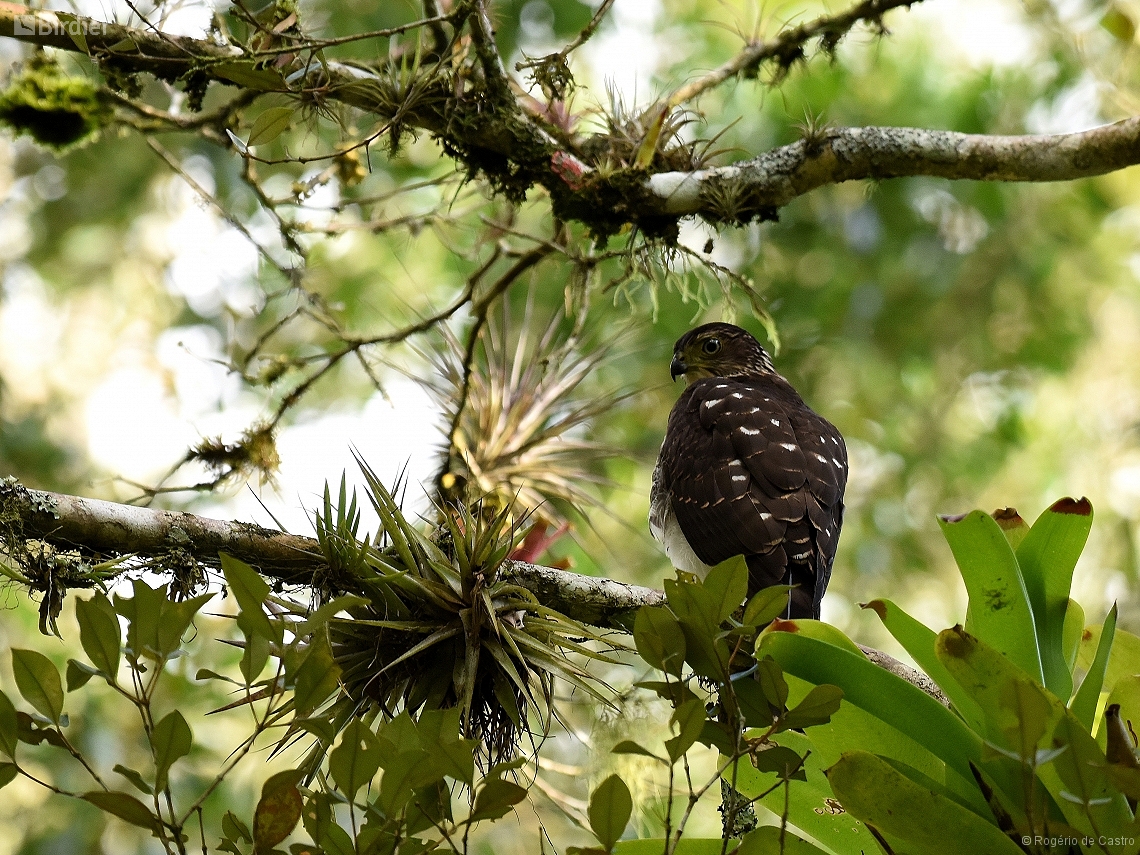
column 677, row 367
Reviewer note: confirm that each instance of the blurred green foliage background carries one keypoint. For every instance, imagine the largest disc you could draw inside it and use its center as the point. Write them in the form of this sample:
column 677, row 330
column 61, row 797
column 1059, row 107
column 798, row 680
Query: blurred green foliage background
column 977, row 344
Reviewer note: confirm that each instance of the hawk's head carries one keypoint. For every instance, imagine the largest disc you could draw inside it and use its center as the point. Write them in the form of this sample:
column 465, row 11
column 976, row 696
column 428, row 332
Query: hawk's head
column 718, row 350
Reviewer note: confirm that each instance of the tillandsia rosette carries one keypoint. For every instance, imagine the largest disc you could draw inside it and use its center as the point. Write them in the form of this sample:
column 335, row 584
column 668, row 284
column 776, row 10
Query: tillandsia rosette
column 441, row 627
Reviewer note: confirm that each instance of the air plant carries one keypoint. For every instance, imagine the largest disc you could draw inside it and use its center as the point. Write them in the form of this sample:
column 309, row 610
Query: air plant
column 443, row 628
column 518, row 441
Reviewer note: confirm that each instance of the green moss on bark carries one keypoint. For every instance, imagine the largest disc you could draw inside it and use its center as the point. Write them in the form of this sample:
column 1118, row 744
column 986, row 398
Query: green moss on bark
column 56, row 109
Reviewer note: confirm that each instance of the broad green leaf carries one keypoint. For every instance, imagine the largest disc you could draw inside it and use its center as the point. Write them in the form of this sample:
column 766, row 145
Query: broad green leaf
column 126, row 807
column 9, row 727
column 336, row 841
column 278, row 810
column 143, row 612
column 8, row 773
column 235, row 829
column 610, row 808
column 355, row 761
column 1033, row 712
column 496, row 798
column 782, row 760
column 770, row 678
column 852, row 728
column 718, row 735
column 727, row 582
column 38, row 682
column 768, row 840
column 170, row 740
column 818, row 630
column 690, row 719
column 269, row 125
column 317, row 677
column 758, row 709
column 1121, row 661
column 176, row 619
column 1084, row 702
column 1079, row 782
column 821, row 703
column 256, row 653
column 250, row 591
column 659, row 639
column 880, row 693
column 451, row 754
column 243, row 73
column 877, row 793
column 693, row 605
column 403, row 775
column 810, row 801
column 99, row 633
column 999, row 612
column 991, row 680
column 706, row 654
column 918, row 640
column 1047, row 557
column 767, row 605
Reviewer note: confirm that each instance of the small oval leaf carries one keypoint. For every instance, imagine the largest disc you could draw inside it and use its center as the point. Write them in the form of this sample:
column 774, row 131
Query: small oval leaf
column 125, row 807
column 278, row 810
column 269, row 125
column 610, row 808
column 170, row 740
column 38, row 682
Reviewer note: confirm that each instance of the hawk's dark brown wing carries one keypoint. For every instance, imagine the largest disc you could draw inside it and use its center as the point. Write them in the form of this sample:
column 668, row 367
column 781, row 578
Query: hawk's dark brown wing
column 751, row 470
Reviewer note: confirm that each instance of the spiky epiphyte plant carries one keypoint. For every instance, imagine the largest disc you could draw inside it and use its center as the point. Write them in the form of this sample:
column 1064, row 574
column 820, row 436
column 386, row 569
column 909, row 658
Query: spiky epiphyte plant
column 653, row 138
column 518, row 442
column 443, row 629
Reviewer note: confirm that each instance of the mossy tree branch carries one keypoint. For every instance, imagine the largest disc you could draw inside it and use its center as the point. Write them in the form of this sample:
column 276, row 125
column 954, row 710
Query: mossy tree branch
column 108, row 529
column 485, row 124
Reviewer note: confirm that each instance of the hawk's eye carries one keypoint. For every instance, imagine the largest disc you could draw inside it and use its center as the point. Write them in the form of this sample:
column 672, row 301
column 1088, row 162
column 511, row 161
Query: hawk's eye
column 711, row 346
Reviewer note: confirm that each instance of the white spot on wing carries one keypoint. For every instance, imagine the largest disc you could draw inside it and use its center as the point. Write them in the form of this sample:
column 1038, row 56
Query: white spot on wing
column 776, row 422
column 788, row 445
column 837, row 463
column 738, row 396
column 739, row 477
column 765, row 516
column 712, row 402
column 749, row 431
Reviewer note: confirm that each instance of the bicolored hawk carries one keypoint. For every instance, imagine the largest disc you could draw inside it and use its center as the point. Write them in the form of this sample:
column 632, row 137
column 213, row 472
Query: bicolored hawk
column 747, row 468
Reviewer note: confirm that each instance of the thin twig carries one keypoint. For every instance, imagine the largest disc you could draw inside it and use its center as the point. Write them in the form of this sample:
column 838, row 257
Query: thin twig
column 787, row 47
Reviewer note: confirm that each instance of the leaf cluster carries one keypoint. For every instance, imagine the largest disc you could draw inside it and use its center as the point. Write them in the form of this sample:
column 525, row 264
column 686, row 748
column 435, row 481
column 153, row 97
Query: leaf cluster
column 1015, row 762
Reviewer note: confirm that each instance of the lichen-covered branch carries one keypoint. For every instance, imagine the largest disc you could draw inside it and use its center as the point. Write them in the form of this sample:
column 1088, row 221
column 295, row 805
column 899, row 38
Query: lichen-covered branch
column 748, row 189
column 789, row 46
column 110, row 529
column 487, row 127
